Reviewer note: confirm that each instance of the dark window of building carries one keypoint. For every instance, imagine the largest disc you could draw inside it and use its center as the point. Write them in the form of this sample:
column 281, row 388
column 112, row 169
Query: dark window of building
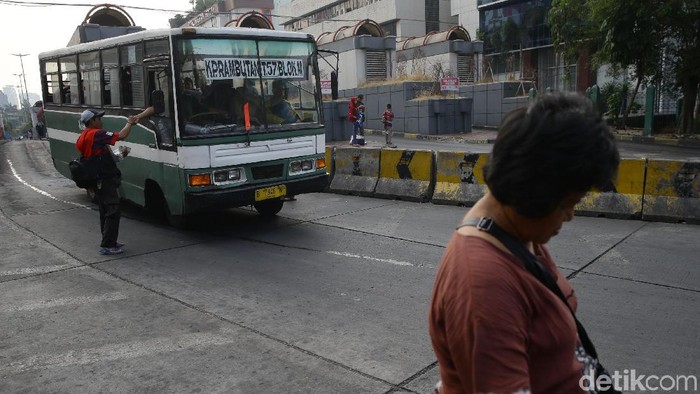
column 511, row 27
column 432, row 16
column 389, row 28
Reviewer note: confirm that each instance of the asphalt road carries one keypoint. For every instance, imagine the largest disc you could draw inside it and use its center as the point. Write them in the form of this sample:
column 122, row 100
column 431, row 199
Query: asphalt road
column 329, row 297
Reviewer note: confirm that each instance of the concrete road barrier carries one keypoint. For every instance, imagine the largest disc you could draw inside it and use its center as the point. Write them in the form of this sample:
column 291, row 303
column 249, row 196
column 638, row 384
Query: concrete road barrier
column 621, row 199
column 356, row 171
column 672, row 191
column 459, row 178
column 406, row 175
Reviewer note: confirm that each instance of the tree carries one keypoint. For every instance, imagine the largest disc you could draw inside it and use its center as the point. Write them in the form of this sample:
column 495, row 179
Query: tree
column 682, row 18
column 197, row 7
column 626, row 34
column 641, row 36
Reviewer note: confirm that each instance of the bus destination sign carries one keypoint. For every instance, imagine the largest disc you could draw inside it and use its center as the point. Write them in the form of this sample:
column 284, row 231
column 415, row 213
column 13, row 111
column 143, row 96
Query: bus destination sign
column 240, row 68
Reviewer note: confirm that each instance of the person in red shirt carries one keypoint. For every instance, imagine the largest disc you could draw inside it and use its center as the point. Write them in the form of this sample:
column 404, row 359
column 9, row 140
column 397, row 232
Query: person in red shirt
column 494, row 326
column 95, row 141
column 388, row 119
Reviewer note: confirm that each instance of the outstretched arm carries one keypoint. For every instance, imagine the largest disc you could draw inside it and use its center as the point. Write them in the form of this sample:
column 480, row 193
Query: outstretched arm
column 145, row 113
column 123, row 133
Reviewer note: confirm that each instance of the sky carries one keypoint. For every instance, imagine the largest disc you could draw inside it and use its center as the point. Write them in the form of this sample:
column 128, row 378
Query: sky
column 30, row 27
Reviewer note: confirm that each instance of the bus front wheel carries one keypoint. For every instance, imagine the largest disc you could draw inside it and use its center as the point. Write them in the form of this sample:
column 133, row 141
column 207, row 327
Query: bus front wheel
column 269, row 207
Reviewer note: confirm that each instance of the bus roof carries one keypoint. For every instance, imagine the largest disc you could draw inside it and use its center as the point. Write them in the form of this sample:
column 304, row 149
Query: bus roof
column 244, row 32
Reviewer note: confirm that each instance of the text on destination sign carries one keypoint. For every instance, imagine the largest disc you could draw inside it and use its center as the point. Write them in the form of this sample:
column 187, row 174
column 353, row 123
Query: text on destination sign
column 239, row 68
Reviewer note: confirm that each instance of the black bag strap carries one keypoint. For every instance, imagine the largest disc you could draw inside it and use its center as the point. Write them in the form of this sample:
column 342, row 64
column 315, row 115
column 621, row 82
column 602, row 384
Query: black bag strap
column 534, row 266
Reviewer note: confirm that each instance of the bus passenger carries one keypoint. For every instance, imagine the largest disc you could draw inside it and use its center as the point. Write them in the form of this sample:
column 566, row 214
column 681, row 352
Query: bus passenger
column 279, row 110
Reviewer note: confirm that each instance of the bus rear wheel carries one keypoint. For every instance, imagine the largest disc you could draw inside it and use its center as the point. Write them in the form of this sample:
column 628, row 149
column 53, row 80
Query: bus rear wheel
column 269, row 207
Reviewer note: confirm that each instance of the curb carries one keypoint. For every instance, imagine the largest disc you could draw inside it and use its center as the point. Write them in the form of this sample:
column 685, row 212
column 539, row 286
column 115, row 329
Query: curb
column 439, row 138
column 659, row 141
column 465, row 139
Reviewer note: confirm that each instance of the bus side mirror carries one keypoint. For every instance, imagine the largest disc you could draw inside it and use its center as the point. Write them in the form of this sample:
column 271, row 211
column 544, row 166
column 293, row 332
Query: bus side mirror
column 158, row 101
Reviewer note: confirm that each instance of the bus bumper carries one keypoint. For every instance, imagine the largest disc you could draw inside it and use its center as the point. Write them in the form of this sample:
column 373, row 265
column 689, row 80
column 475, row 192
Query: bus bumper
column 210, row 200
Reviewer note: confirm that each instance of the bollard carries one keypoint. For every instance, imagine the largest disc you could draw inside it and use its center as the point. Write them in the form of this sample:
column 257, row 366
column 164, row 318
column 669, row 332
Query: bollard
column 649, row 111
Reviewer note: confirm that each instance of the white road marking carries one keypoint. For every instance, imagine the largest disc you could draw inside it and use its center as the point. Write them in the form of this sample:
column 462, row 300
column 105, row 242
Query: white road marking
column 41, row 191
column 56, row 302
column 370, row 258
column 120, row 351
column 37, row 270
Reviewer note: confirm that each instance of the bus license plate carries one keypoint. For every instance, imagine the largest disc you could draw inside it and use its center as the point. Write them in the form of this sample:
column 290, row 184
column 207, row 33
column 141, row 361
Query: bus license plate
column 270, row 192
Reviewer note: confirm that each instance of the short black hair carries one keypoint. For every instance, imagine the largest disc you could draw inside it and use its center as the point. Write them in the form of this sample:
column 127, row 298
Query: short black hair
column 558, row 145
column 360, row 96
column 388, row 105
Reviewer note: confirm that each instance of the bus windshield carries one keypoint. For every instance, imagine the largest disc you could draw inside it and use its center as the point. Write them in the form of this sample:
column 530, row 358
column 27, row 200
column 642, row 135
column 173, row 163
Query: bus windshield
column 232, row 86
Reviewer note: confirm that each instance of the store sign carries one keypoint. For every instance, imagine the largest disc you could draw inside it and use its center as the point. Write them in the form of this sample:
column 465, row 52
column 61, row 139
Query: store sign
column 449, row 84
column 326, row 86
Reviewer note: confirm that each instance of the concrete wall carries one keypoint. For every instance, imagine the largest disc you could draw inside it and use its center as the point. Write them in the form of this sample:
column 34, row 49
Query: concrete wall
column 493, row 100
column 426, row 65
column 449, row 115
column 475, row 105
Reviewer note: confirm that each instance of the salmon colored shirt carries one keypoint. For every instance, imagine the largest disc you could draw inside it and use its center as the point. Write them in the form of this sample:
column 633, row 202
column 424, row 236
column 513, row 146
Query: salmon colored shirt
column 495, row 328
column 93, row 142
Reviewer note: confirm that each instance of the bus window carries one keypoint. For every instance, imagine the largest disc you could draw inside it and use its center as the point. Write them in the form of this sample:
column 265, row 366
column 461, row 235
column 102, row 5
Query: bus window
column 52, row 86
column 158, row 80
column 69, row 79
column 277, row 82
column 110, row 77
column 131, row 75
column 90, row 77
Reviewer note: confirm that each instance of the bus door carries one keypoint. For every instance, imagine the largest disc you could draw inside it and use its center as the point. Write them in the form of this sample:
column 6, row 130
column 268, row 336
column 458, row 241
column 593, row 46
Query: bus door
column 158, row 79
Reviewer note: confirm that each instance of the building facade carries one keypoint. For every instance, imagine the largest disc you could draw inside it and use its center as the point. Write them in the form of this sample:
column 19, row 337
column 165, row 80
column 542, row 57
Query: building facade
column 227, row 12
column 518, row 43
column 400, row 18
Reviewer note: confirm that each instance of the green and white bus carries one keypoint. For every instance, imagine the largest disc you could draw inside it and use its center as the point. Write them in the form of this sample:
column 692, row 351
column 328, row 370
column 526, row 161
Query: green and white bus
column 238, row 123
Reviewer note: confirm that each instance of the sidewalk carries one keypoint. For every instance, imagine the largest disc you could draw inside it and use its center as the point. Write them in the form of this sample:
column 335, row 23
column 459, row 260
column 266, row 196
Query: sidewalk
column 488, row 136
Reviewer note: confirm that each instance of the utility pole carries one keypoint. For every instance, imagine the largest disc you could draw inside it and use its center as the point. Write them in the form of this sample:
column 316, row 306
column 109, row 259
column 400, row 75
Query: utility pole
column 21, row 55
column 21, row 93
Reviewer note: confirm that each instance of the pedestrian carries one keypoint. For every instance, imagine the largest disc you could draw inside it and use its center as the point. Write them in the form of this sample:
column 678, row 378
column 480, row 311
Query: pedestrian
column 359, row 127
column 497, row 324
column 353, row 106
column 95, row 141
column 388, row 121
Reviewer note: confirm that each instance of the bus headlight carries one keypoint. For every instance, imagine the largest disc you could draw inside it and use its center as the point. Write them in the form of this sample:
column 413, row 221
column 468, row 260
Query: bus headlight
column 305, row 165
column 321, row 163
column 228, row 175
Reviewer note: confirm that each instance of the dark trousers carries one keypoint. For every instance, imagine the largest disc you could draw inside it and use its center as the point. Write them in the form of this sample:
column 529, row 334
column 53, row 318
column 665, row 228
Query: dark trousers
column 110, row 214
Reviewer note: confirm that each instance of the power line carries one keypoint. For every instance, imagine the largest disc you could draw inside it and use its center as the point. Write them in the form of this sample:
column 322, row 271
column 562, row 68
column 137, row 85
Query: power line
column 48, row 4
